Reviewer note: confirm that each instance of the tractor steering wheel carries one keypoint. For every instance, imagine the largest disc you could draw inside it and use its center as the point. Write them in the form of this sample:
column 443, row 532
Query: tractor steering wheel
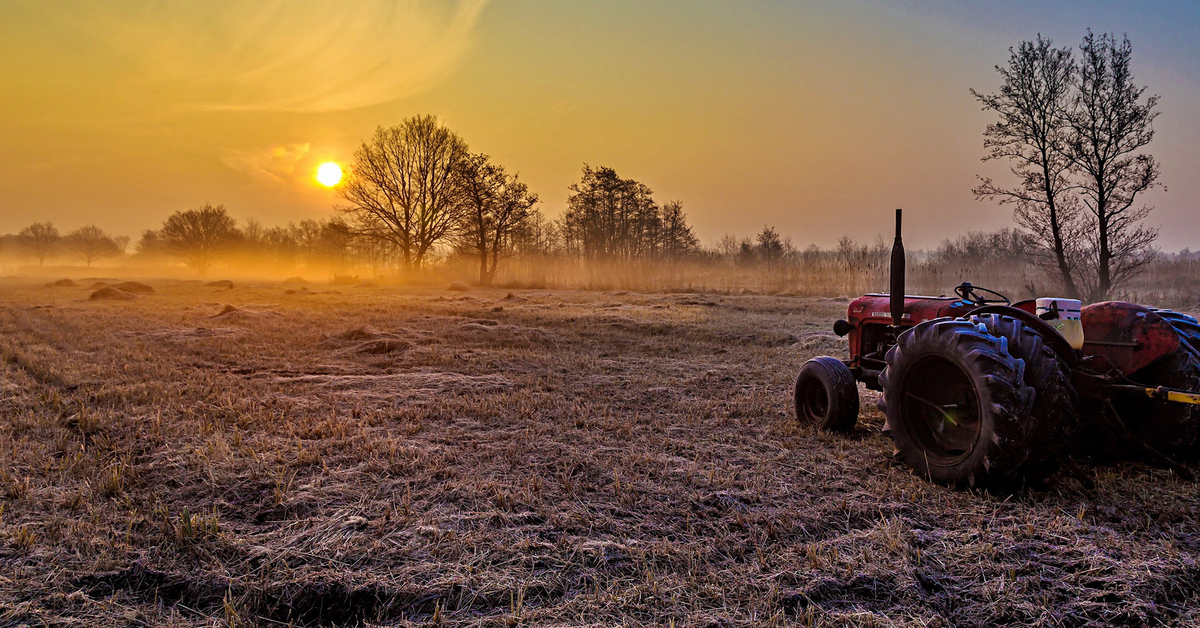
column 970, row 294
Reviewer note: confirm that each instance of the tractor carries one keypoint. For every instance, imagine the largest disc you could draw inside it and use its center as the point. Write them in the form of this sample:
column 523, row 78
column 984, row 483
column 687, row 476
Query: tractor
column 979, row 391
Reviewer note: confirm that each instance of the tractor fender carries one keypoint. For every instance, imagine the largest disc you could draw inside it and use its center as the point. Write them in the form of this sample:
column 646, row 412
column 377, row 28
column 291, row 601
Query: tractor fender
column 1049, row 335
column 1131, row 336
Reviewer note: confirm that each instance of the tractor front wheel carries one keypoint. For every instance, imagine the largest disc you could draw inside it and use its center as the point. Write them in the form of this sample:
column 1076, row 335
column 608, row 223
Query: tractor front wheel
column 827, row 395
column 957, row 405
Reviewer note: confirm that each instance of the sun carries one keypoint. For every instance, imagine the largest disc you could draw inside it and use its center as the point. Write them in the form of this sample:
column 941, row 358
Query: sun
column 329, row 174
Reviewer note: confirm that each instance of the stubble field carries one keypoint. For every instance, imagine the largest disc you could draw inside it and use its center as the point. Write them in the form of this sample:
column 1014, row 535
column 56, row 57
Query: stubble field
column 270, row 454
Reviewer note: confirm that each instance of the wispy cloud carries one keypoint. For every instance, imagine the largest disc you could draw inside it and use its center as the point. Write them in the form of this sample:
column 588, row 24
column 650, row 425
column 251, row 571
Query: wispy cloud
column 298, row 55
column 274, row 165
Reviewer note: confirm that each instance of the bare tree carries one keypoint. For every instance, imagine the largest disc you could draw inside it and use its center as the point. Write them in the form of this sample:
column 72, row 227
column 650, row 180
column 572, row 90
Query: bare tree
column 401, row 187
column 40, row 239
column 536, row 236
column 1110, row 123
column 1034, row 102
column 727, row 247
column 678, row 239
column 91, row 243
column 495, row 204
column 199, row 235
column 769, row 246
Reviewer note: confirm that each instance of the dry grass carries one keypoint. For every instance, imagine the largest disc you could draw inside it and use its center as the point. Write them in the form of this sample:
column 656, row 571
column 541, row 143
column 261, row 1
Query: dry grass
column 433, row 457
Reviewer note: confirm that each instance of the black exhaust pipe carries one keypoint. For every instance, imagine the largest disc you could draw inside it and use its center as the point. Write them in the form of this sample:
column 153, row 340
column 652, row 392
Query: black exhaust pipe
column 897, row 292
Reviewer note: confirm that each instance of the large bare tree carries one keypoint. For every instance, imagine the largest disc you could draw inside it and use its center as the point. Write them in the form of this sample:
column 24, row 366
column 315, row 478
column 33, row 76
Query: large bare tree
column 1033, row 104
column 198, row 236
column 40, row 239
column 496, row 204
column 1110, row 123
column 401, row 188
column 90, row 243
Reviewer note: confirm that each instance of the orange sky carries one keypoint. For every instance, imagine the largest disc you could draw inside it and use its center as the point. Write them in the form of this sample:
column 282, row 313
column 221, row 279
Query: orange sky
column 815, row 117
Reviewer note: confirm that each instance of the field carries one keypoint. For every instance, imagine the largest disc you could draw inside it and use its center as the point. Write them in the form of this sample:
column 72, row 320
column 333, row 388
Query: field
column 277, row 454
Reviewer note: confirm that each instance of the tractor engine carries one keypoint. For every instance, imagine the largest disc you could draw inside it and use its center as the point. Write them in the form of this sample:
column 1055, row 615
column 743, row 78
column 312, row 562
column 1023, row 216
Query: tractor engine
column 869, row 327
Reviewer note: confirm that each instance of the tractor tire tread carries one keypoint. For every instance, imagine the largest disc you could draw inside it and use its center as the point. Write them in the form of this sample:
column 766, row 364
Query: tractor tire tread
column 1001, row 451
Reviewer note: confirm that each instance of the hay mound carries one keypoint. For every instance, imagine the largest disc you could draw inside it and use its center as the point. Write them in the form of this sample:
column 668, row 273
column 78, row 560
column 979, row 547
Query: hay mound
column 61, row 283
column 380, row 346
column 344, row 280
column 295, row 281
column 98, row 285
column 368, row 341
column 822, row 341
column 110, row 294
column 221, row 283
column 230, row 312
column 134, row 287
column 488, row 331
column 457, row 286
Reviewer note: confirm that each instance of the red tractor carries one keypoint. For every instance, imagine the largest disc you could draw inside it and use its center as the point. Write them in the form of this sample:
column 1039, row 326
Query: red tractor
column 979, row 391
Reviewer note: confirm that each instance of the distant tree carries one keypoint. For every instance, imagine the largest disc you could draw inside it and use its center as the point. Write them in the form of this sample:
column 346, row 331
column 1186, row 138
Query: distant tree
column 149, row 245
column 401, row 188
column 198, row 236
column 746, row 255
column 769, row 246
column 727, row 247
column 495, row 205
column 536, row 235
column 40, row 240
column 91, row 243
column 678, row 240
column 1110, row 123
column 1033, row 104
column 611, row 218
column 977, row 248
column 336, row 241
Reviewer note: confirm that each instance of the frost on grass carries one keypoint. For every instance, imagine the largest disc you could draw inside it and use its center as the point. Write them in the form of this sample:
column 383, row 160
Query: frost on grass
column 415, row 456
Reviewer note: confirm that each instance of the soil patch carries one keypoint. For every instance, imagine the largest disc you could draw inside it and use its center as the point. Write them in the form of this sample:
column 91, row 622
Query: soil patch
column 61, row 283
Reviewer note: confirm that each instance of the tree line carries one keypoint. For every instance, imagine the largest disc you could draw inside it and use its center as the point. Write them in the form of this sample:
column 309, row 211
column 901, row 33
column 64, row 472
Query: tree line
column 417, row 185
column 414, row 192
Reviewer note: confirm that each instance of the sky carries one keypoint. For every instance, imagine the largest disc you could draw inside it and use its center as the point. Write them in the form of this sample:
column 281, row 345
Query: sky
column 815, row 117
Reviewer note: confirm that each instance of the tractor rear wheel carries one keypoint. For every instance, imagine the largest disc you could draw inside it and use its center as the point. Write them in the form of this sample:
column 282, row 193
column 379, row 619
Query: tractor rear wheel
column 1053, row 418
column 958, row 408
column 827, row 395
column 1187, row 326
